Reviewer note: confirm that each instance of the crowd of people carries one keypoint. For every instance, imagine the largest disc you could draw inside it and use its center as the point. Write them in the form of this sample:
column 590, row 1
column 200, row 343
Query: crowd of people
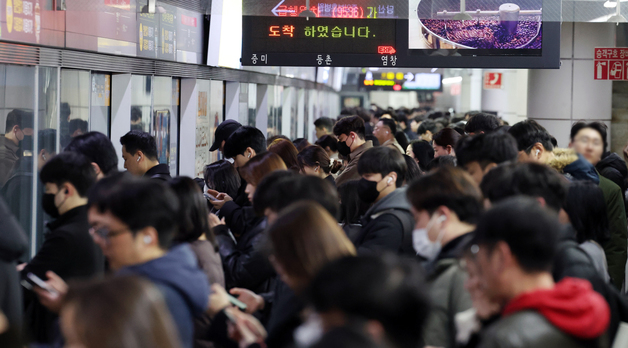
column 396, row 229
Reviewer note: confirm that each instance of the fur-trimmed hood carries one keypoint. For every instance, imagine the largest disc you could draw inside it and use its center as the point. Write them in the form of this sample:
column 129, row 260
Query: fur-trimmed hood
column 573, row 166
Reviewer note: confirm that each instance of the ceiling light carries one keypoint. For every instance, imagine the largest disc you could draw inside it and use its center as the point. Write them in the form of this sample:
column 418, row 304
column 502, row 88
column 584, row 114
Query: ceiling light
column 610, row 4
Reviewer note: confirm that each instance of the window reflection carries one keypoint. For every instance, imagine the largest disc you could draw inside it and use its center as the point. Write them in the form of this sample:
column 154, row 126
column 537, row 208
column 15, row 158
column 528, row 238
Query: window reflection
column 74, row 108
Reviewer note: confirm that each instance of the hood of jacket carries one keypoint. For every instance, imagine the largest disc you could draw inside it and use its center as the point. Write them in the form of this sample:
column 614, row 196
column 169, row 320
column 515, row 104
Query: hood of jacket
column 612, row 160
column 574, row 166
column 395, row 200
column 572, row 306
column 177, row 269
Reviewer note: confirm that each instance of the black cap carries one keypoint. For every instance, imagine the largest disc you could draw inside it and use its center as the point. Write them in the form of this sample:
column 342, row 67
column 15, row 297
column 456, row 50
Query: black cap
column 223, row 131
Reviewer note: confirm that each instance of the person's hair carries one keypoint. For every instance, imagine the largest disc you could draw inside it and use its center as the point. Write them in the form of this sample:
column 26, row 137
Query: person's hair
column 450, row 187
column 222, row 177
column 383, row 160
column 423, row 152
column 77, row 123
column 596, row 126
column 136, row 140
column 243, row 137
column 136, row 113
column 482, row 122
column 496, row 147
column 14, row 118
column 527, row 179
column 530, row 231
column 586, row 208
column 386, row 288
column 441, row 162
column 287, row 151
column 352, row 208
column 47, row 140
column 278, row 191
column 97, row 148
column 69, row 167
column 138, row 203
column 427, row 125
column 529, row 132
column 124, row 311
column 324, row 122
column 446, row 137
column 192, row 217
column 261, row 165
column 315, row 155
column 390, row 123
column 304, row 238
column 275, row 137
column 328, row 141
column 413, row 169
column 402, row 139
column 301, row 143
column 350, row 124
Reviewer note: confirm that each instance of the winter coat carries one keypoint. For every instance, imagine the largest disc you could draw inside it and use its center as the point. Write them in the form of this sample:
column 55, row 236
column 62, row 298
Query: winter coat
column 394, row 144
column 351, row 170
column 549, row 319
column 575, row 167
column 184, row 286
column 159, row 172
column 285, row 316
column 614, row 169
column 8, row 158
column 239, row 218
column 388, row 226
column 208, row 260
column 446, row 285
column 596, row 253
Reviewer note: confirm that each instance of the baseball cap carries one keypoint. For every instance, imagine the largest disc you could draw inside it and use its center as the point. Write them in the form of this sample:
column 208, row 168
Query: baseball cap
column 223, row 131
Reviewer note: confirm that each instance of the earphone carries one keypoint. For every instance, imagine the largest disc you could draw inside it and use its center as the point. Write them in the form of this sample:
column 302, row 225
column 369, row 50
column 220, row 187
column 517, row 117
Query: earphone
column 138, row 158
column 537, row 152
column 389, row 180
column 442, row 218
column 249, row 155
column 148, row 239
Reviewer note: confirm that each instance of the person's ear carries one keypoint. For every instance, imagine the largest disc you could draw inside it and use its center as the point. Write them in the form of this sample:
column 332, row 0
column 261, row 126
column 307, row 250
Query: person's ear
column 15, row 128
column 96, row 168
column 489, row 167
column 449, row 149
column 140, row 156
column 376, row 331
column 148, row 236
column 251, row 152
column 392, row 179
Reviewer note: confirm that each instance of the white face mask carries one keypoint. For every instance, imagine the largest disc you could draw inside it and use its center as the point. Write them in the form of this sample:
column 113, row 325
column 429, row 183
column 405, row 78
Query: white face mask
column 422, row 244
column 309, row 332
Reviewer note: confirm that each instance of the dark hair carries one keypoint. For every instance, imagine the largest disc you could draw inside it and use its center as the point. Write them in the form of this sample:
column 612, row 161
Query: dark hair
column 261, row 165
column 586, row 208
column 446, row 137
column 222, row 177
column 427, row 125
column 482, row 122
column 136, row 114
column 450, row 187
column 264, row 190
column 390, row 123
column 19, row 117
column 315, row 155
column 530, row 231
column 423, row 152
column 441, row 162
column 352, row 208
column 243, row 137
column 529, row 132
column 282, row 190
column 122, row 311
column 192, row 217
column 402, row 139
column 528, row 179
column 301, row 143
column 599, row 127
column 97, row 148
column 287, row 151
column 383, row 160
column 413, row 169
column 69, row 167
column 139, row 203
column 47, row 140
column 350, row 124
column 136, row 140
column 496, row 147
column 76, row 124
column 328, row 141
column 387, row 289
column 324, row 122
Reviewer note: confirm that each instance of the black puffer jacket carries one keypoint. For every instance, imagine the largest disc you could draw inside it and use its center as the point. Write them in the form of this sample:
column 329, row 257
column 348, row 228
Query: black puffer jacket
column 614, row 169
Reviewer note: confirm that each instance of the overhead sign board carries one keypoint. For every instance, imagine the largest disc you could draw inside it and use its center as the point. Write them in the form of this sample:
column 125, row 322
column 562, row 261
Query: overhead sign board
column 400, row 81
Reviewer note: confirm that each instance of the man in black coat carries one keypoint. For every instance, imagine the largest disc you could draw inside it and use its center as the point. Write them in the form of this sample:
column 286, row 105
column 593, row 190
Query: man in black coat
column 68, row 249
column 139, row 151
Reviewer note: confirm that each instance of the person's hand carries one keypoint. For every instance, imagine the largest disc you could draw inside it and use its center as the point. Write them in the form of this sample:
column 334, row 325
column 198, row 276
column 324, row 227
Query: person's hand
column 52, row 301
column 253, row 301
column 215, row 220
column 218, row 300
column 222, row 198
column 246, row 330
column 21, row 266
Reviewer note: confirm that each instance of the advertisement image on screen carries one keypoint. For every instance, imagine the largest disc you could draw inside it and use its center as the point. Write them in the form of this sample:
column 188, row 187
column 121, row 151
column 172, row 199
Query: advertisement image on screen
column 490, row 25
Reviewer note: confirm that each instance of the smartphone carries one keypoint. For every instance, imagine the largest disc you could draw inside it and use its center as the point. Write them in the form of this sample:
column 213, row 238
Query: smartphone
column 237, row 302
column 210, row 197
column 33, row 280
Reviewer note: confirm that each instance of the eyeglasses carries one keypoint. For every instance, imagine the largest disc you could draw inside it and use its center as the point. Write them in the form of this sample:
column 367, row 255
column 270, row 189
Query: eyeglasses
column 105, row 233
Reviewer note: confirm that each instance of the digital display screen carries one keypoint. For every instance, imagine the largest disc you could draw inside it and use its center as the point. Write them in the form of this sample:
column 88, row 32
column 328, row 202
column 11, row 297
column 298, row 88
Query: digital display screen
column 398, row 81
column 372, row 9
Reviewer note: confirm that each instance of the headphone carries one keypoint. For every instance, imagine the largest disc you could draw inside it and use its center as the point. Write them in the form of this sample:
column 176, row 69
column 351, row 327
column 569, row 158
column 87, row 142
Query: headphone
column 148, row 239
column 537, row 152
column 389, row 180
column 139, row 158
column 442, row 218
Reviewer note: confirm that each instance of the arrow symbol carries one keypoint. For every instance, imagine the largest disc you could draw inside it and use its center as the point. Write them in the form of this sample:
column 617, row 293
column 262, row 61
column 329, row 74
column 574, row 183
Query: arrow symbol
column 275, row 10
column 409, row 77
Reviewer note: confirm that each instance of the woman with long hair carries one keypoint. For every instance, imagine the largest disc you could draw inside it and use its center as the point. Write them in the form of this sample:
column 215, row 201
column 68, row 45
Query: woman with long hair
column 314, row 160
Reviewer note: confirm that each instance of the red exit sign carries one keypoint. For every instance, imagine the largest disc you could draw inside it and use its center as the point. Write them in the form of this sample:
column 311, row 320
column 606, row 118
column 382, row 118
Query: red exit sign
column 386, row 50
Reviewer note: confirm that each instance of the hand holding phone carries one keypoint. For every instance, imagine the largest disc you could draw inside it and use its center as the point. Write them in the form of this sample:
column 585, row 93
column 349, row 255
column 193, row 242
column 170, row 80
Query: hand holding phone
column 33, row 280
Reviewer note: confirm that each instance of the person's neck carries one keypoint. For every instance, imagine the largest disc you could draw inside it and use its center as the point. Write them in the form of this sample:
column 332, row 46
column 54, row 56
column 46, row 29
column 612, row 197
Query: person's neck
column 72, row 203
column 151, row 254
column 12, row 137
column 150, row 165
column 388, row 190
column 547, row 157
column 456, row 229
column 357, row 143
column 522, row 283
column 390, row 138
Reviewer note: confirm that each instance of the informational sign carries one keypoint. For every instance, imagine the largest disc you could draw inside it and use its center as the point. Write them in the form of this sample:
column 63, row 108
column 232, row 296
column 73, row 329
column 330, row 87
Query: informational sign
column 189, row 36
column 372, row 9
column 397, row 81
column 492, row 80
column 21, row 20
column 611, row 63
column 156, row 31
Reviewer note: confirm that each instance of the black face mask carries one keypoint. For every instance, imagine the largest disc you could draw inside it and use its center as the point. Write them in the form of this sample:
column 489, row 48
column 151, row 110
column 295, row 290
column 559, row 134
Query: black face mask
column 367, row 190
column 48, row 204
column 343, row 149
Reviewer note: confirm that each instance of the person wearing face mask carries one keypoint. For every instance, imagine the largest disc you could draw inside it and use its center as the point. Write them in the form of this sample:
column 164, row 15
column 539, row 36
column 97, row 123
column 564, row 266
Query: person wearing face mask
column 350, row 132
column 68, row 249
column 388, row 223
column 446, row 204
column 16, row 129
